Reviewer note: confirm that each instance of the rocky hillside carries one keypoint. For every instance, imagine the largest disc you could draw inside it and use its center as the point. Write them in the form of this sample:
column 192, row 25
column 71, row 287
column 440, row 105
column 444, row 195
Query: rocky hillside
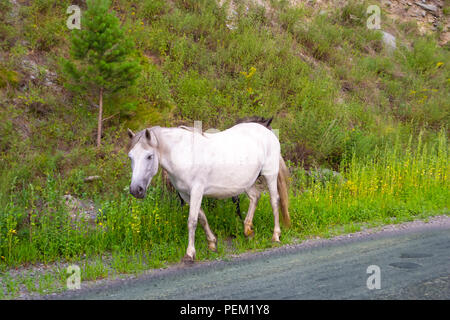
column 334, row 86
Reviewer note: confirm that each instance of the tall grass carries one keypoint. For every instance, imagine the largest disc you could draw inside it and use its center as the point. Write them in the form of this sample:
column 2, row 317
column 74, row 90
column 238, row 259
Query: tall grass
column 394, row 185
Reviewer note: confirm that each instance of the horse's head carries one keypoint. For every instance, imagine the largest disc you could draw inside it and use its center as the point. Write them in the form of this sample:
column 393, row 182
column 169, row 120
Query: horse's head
column 144, row 160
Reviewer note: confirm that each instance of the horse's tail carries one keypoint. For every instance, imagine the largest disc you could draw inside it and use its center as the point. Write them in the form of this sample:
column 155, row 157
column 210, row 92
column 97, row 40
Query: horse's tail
column 282, row 185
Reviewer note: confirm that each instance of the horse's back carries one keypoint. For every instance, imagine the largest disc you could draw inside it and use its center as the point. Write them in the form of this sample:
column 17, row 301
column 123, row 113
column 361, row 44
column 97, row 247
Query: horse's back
column 244, row 133
column 250, row 142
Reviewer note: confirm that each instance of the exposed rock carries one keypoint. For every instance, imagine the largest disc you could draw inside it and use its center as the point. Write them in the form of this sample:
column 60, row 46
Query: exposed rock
column 429, row 7
column 15, row 9
column 81, row 210
column 31, row 68
column 389, row 41
column 231, row 15
column 424, row 13
column 91, row 178
column 35, row 72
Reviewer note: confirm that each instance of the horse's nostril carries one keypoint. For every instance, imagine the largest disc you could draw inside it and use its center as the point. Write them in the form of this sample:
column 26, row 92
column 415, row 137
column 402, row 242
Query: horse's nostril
column 140, row 189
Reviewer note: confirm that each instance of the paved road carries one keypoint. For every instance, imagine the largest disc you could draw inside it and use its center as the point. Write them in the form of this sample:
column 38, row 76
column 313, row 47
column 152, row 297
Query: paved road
column 414, row 264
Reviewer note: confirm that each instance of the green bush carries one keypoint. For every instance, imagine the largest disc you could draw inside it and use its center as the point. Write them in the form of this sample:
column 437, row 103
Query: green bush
column 152, row 9
column 9, row 78
column 424, row 56
column 352, row 14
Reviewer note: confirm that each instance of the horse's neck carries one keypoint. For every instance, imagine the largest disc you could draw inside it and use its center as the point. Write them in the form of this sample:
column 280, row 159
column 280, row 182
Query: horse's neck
column 167, row 143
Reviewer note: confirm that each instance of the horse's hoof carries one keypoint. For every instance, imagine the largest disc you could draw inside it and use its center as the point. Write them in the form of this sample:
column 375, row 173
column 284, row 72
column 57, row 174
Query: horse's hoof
column 212, row 245
column 188, row 260
column 248, row 232
column 276, row 239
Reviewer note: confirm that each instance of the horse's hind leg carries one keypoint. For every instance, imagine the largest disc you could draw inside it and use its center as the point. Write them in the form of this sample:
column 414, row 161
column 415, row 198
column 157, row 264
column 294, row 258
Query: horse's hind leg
column 212, row 241
column 274, row 200
column 236, row 201
column 182, row 202
column 253, row 194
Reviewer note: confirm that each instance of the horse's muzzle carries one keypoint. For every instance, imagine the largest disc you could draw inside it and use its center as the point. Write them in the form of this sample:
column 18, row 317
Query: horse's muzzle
column 137, row 191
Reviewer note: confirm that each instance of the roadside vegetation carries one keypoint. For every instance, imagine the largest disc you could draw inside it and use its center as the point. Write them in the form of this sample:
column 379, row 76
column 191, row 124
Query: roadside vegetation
column 364, row 130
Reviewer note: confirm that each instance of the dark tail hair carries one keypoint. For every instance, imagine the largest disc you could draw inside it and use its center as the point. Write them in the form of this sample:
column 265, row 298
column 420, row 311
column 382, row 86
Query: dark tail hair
column 283, row 185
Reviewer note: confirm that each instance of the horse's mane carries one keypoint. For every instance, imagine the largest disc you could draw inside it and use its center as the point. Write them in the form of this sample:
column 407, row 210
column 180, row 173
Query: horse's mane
column 260, row 120
column 192, row 129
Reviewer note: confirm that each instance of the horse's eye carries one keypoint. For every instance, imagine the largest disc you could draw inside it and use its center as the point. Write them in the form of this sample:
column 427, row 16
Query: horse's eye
column 150, row 157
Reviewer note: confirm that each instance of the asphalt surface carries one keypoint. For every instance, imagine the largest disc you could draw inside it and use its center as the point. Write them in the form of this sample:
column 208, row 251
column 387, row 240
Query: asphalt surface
column 414, row 264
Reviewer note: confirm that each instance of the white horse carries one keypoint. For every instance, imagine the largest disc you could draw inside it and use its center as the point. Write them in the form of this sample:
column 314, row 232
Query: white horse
column 218, row 165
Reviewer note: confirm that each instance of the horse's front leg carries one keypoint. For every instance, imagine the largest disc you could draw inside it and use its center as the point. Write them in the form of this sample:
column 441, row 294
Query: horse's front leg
column 195, row 202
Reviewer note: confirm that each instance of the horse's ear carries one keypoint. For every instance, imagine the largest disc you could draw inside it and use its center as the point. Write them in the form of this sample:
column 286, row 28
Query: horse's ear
column 130, row 133
column 268, row 122
column 151, row 138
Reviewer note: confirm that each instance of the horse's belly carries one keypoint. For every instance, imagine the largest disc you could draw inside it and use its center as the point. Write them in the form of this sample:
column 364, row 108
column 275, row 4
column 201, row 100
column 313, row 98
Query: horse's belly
column 224, row 182
column 219, row 184
column 223, row 193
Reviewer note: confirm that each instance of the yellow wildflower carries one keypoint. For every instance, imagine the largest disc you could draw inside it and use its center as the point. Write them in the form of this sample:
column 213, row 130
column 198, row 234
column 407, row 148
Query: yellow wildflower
column 251, row 72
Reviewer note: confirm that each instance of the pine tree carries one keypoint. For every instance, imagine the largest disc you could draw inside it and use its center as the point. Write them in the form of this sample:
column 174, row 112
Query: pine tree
column 100, row 52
